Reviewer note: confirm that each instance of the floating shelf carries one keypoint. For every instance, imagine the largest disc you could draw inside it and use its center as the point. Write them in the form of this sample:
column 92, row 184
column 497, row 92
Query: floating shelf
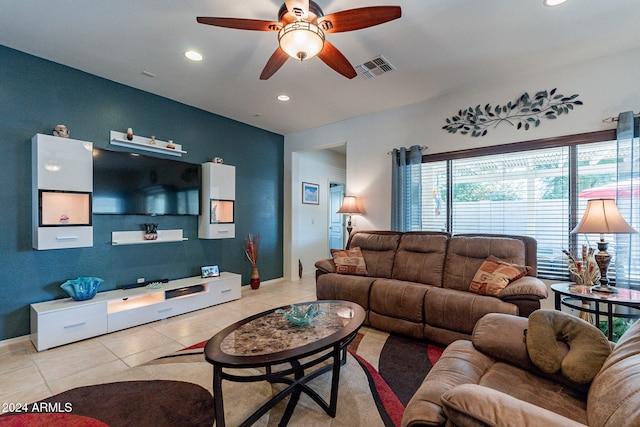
column 143, row 143
column 137, row 237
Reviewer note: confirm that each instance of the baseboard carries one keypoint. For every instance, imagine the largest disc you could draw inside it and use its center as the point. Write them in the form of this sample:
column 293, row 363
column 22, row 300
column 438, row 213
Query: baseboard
column 12, row 341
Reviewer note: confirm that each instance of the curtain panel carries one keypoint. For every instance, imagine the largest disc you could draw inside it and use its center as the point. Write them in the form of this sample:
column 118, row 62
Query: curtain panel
column 406, row 189
column 627, row 195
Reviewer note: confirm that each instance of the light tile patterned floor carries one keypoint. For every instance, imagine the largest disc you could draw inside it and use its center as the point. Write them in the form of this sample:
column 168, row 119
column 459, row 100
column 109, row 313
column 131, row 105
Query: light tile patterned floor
column 27, row 375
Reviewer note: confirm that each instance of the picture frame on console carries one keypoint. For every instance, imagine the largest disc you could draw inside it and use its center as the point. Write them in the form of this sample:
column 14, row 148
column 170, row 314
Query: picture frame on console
column 310, row 193
column 210, row 271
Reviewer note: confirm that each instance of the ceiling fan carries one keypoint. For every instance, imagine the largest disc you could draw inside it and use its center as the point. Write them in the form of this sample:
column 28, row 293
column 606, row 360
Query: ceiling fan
column 301, row 32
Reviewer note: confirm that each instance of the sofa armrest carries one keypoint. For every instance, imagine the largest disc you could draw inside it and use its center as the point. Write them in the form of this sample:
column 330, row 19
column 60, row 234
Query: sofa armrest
column 501, row 336
column 325, row 266
column 526, row 287
column 475, row 405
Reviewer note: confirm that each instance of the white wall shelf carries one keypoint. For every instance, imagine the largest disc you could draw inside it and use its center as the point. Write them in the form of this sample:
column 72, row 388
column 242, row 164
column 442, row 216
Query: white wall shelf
column 143, row 143
column 137, row 237
column 63, row 321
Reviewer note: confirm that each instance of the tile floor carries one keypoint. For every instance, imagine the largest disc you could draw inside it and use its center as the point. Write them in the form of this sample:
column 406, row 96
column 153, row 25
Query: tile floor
column 27, row 375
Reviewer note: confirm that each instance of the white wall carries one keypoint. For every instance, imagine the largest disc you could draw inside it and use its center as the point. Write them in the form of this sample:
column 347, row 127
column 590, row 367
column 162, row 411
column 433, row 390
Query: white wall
column 606, row 85
column 312, row 221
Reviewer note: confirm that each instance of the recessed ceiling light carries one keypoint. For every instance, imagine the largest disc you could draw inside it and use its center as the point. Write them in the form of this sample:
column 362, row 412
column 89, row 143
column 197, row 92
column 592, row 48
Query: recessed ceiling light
column 553, row 2
column 283, row 98
column 193, row 55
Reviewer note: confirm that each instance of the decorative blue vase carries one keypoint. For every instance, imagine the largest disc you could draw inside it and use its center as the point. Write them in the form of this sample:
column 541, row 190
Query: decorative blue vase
column 82, row 288
column 300, row 315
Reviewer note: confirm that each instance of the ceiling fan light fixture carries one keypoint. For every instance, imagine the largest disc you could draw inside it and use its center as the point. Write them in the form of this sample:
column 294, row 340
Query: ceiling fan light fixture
column 301, row 40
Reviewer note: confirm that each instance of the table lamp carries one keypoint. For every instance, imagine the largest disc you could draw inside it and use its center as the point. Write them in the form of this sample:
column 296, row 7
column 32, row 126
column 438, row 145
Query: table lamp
column 350, row 206
column 602, row 216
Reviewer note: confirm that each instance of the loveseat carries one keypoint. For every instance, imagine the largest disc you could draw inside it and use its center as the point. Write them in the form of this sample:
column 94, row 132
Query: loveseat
column 492, row 381
column 417, row 283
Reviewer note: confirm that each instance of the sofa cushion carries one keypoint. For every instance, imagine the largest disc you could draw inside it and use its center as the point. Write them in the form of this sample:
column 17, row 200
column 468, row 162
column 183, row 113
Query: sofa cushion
column 465, row 254
column 473, row 405
column 539, row 391
column 494, row 275
column 396, row 298
column 378, row 249
column 349, row 261
column 459, row 311
column 334, row 286
column 420, row 257
column 588, row 347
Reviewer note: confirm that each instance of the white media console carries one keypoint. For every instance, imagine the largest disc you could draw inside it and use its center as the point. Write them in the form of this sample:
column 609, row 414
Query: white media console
column 63, row 321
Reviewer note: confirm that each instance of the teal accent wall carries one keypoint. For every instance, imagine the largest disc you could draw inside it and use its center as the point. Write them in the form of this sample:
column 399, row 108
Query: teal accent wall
column 37, row 94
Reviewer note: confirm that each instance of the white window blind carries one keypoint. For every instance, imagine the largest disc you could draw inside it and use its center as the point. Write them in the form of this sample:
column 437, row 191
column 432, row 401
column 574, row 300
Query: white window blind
column 540, row 193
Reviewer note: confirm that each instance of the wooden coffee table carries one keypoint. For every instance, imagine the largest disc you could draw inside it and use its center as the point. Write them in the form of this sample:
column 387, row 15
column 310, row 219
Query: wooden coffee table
column 267, row 339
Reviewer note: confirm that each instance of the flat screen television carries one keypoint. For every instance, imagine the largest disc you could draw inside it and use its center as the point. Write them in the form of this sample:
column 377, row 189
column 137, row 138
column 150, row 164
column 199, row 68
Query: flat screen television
column 133, row 184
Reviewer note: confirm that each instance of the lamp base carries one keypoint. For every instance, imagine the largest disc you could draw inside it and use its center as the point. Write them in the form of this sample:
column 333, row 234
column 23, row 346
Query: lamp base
column 603, row 288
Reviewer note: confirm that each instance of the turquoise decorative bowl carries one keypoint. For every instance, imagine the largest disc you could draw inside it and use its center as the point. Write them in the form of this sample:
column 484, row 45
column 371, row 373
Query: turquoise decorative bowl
column 82, row 288
column 300, row 315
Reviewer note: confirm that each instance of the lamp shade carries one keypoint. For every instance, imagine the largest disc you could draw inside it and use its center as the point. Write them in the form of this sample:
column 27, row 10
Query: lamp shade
column 301, row 40
column 350, row 205
column 602, row 216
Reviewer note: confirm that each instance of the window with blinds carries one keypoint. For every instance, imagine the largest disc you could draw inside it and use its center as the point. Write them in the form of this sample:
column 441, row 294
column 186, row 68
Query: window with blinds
column 540, row 193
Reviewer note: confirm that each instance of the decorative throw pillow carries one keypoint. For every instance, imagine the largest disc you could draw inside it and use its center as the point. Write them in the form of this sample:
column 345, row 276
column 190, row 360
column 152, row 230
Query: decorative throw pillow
column 349, row 261
column 588, row 347
column 494, row 275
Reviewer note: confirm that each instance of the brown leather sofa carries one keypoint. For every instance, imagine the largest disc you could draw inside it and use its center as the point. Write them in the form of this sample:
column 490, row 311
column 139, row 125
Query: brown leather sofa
column 417, row 282
column 490, row 381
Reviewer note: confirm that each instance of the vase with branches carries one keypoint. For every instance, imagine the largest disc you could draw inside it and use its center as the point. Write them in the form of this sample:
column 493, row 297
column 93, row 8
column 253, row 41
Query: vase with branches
column 251, row 245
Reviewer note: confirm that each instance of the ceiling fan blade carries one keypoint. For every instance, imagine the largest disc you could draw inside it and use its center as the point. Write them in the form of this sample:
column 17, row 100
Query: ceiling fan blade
column 356, row 19
column 331, row 56
column 274, row 63
column 240, row 23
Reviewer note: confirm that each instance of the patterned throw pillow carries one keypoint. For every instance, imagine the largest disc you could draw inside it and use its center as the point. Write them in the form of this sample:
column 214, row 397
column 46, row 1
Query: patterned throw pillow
column 494, row 275
column 349, row 261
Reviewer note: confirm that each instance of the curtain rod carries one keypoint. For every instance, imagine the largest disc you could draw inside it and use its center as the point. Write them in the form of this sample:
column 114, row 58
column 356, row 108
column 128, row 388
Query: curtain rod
column 615, row 119
column 422, row 147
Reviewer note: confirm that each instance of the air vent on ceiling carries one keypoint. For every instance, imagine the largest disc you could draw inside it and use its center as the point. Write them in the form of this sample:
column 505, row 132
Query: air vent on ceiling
column 374, row 68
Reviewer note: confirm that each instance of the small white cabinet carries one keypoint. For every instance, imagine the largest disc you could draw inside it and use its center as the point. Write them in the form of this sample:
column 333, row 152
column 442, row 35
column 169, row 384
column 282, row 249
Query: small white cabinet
column 218, row 202
column 63, row 321
column 62, row 171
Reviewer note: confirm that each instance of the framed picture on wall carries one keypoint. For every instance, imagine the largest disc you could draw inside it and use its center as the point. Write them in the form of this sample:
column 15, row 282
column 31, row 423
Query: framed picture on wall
column 310, row 193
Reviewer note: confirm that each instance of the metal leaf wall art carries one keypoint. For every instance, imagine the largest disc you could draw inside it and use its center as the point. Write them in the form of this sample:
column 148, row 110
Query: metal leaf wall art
column 524, row 113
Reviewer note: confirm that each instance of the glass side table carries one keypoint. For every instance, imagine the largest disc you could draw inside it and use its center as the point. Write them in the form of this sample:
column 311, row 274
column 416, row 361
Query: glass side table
column 570, row 295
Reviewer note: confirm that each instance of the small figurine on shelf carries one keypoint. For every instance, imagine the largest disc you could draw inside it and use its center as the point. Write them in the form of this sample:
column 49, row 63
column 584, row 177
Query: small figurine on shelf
column 150, row 231
column 130, row 134
column 153, row 140
column 61, row 131
column 170, row 144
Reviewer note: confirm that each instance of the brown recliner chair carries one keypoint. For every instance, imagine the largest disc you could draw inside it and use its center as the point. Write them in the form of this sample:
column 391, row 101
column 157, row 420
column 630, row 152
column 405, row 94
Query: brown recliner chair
column 492, row 381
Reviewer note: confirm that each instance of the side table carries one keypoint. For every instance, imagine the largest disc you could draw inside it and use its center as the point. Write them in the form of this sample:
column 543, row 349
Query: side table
column 572, row 295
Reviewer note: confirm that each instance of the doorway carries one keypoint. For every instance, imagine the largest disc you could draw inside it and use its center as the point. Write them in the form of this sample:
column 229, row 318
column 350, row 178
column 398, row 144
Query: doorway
column 336, row 220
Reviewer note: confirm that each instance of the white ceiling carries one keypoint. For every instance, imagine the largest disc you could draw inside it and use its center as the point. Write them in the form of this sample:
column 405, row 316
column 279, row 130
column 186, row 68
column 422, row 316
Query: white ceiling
column 437, row 47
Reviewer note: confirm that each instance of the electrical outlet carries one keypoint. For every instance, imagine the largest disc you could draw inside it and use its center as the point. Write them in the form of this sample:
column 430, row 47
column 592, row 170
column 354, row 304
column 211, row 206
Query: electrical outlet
column 140, row 280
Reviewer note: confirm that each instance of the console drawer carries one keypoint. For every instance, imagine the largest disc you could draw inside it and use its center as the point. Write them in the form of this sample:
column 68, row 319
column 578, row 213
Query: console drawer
column 64, row 326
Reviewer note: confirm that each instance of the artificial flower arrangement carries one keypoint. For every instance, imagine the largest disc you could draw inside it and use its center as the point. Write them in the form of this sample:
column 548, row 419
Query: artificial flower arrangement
column 584, row 270
column 251, row 245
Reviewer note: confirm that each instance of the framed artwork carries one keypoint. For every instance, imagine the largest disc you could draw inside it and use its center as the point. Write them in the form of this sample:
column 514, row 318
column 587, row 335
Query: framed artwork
column 210, row 271
column 310, row 193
